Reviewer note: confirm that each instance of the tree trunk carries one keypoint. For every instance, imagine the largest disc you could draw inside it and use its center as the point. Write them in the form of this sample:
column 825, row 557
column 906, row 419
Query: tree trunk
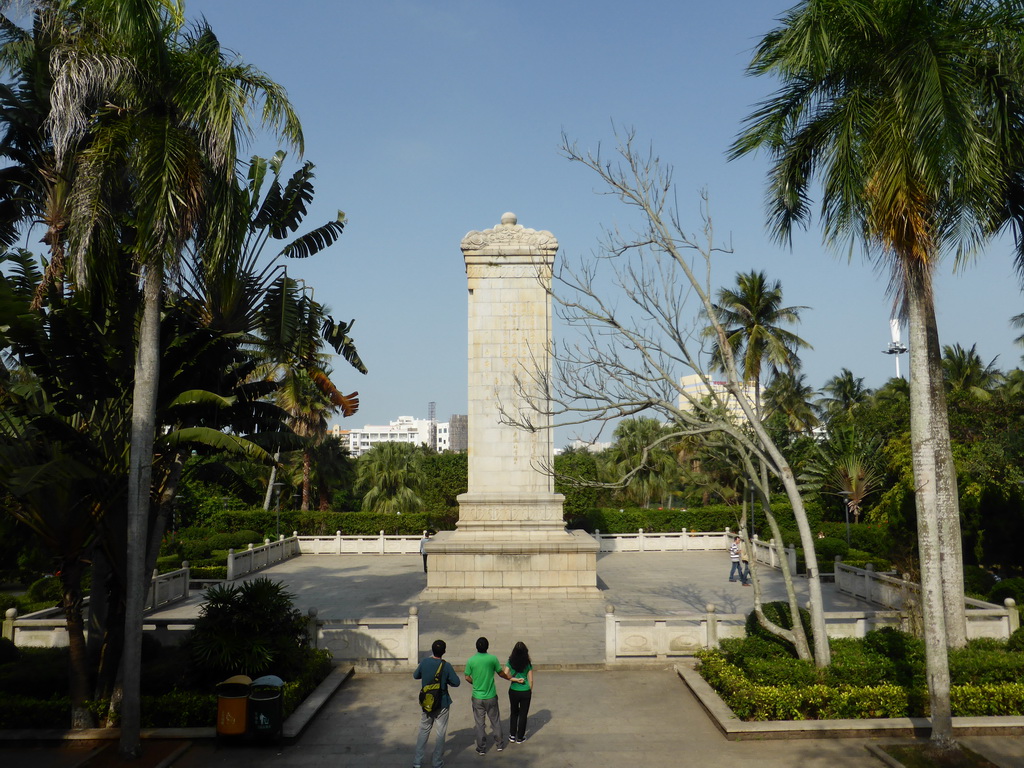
column 306, row 462
column 270, row 485
column 926, row 492
column 158, row 525
column 797, row 636
column 78, row 656
column 147, row 377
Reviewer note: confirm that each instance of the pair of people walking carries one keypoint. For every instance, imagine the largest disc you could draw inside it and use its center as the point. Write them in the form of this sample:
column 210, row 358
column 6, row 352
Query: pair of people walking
column 740, row 570
column 480, row 671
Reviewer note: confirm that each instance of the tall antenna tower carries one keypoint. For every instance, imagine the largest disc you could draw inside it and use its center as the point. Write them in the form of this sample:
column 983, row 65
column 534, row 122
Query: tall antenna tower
column 896, row 347
column 432, row 418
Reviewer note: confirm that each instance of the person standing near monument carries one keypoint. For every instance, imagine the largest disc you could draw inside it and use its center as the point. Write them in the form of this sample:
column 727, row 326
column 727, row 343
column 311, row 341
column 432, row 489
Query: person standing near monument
column 520, row 692
column 423, row 550
column 736, row 572
column 431, row 667
column 480, row 671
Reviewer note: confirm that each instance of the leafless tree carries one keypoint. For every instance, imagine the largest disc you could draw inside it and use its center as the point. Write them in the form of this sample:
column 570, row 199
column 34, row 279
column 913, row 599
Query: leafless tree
column 636, row 314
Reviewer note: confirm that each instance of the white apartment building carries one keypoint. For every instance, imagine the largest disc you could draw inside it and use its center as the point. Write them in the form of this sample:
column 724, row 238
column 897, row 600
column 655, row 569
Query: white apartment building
column 405, row 429
column 697, row 389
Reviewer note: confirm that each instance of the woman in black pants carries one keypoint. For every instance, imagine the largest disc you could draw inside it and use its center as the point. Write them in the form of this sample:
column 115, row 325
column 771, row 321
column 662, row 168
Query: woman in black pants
column 520, row 672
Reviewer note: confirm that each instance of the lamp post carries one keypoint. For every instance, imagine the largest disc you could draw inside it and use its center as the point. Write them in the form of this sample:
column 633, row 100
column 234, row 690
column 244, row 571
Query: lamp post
column 848, row 502
column 277, row 490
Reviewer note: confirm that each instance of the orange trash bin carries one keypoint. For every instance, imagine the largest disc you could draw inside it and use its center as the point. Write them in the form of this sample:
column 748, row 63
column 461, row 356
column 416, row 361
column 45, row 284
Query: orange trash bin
column 232, row 706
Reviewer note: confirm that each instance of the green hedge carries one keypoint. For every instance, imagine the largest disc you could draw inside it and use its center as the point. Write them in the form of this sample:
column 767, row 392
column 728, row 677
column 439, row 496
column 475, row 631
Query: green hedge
column 327, row 523
column 751, row 700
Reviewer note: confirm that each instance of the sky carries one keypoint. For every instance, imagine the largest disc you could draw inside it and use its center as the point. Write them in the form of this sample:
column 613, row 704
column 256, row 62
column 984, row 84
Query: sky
column 426, row 120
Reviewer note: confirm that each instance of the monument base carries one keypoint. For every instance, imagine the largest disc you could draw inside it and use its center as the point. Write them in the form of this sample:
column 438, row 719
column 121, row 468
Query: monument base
column 503, row 562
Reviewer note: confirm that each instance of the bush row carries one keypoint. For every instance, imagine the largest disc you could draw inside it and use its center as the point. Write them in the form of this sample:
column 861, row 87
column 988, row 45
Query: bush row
column 753, row 700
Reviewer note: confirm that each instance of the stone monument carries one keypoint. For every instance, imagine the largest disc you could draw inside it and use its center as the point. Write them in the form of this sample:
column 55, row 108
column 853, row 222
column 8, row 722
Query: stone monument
column 510, row 539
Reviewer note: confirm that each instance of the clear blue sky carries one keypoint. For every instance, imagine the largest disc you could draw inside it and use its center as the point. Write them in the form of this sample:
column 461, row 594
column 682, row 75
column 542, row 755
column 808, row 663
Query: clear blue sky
column 429, row 119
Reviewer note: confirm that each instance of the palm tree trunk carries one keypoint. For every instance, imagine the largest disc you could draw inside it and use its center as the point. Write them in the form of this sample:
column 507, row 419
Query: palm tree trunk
column 78, row 656
column 926, row 467
column 306, row 467
column 147, row 377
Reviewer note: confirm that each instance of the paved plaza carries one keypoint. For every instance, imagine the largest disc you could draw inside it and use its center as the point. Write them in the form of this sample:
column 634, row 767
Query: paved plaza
column 583, row 714
column 557, row 631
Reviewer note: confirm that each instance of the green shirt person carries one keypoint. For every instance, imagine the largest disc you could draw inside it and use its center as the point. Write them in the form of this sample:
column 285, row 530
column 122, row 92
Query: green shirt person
column 480, row 671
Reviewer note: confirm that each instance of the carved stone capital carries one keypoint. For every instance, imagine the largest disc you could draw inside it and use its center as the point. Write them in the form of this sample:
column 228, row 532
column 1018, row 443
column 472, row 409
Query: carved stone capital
column 509, row 237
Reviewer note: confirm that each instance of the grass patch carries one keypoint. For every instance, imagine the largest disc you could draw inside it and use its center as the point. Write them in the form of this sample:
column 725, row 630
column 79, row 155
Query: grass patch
column 926, row 756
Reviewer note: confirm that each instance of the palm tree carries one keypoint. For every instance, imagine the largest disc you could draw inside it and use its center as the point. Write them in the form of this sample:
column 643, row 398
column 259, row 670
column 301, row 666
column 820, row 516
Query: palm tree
column 153, row 115
column 642, row 459
column 753, row 316
column 789, row 395
column 390, row 475
column 843, row 394
column 908, row 113
column 964, row 370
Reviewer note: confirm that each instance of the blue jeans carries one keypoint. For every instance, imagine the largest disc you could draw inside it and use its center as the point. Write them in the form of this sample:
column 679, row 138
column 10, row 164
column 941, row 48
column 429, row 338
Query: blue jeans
column 488, row 708
column 428, row 721
column 737, row 571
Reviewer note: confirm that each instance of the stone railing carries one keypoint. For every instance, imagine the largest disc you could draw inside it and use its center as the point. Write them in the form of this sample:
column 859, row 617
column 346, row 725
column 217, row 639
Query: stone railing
column 254, row 558
column 167, row 588
column 358, row 545
column 659, row 637
column 690, row 541
column 382, row 642
column 641, row 541
column 889, row 591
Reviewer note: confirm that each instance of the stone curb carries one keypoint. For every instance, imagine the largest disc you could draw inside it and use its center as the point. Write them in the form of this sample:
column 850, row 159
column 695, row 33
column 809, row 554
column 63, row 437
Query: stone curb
column 735, row 729
column 292, row 727
column 165, row 763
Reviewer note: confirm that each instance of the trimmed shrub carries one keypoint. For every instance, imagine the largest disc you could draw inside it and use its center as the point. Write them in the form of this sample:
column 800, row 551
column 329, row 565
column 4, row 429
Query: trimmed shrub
column 978, row 581
column 827, row 549
column 903, row 650
column 46, row 590
column 1007, row 588
column 853, row 665
column 8, row 651
column 778, row 613
column 1016, row 641
column 7, row 600
column 784, row 671
column 970, row 666
column 987, row 700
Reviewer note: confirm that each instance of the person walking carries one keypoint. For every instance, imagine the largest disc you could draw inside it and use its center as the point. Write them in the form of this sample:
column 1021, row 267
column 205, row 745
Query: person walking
column 520, row 691
column 423, row 548
column 736, row 572
column 434, row 666
column 480, row 671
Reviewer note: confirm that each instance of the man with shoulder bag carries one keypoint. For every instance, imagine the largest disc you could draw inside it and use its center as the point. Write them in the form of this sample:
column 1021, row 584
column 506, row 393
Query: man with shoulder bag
column 437, row 675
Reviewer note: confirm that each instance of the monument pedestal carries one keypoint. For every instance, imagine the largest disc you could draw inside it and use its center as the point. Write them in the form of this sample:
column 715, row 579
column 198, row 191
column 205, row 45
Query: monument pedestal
column 506, row 546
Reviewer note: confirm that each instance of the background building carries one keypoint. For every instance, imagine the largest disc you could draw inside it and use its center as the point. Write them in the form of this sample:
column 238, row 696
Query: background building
column 697, row 389
column 406, row 429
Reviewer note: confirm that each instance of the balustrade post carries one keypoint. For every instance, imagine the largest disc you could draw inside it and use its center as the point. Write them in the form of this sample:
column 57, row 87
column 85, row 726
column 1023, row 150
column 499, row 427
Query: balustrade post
column 686, row 541
column 313, row 627
column 380, row 544
column 337, row 543
column 711, row 640
column 413, row 638
column 610, row 641
column 231, row 565
column 1013, row 615
column 640, row 539
column 791, row 555
column 10, row 616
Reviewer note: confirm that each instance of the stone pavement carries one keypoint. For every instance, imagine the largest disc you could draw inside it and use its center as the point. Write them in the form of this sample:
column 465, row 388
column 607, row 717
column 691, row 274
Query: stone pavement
column 557, row 631
column 640, row 716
